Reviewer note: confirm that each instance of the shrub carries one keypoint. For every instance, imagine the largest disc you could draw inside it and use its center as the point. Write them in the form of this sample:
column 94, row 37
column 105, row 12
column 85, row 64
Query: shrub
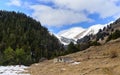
column 94, row 43
column 113, row 54
column 114, row 36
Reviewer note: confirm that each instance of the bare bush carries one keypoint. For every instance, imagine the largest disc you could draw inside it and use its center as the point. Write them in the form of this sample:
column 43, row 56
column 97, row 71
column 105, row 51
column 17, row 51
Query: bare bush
column 113, row 54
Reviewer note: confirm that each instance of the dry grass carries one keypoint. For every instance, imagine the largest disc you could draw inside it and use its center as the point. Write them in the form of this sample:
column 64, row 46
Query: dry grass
column 94, row 61
column 113, row 54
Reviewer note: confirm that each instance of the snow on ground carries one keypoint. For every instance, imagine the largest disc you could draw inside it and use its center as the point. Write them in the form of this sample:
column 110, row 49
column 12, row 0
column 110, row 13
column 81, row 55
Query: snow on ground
column 76, row 63
column 13, row 70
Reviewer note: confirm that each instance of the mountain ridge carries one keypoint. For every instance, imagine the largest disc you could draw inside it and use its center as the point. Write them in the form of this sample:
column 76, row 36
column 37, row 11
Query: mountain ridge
column 76, row 33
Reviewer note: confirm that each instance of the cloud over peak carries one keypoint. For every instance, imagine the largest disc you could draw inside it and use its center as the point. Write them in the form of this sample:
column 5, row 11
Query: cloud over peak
column 57, row 16
column 67, row 12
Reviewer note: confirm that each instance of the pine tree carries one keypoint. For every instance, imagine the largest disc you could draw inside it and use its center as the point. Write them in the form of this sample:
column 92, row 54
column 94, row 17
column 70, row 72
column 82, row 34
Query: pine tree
column 71, row 48
column 9, row 55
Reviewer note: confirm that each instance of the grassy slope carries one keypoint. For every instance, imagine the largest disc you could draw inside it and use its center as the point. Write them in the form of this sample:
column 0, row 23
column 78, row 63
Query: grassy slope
column 94, row 61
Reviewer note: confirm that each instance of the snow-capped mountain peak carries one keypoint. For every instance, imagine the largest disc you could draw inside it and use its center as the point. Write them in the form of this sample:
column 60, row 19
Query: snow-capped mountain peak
column 96, row 28
column 72, row 34
column 92, row 30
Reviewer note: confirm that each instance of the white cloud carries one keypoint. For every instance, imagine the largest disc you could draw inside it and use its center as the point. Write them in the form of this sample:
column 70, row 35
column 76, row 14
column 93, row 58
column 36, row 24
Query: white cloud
column 14, row 3
column 57, row 17
column 66, row 12
column 104, row 8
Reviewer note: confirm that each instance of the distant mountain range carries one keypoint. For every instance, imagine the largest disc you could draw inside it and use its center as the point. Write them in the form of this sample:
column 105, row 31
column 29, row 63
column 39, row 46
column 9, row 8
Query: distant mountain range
column 73, row 34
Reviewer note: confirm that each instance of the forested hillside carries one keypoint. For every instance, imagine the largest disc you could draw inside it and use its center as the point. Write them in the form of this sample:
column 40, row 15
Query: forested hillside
column 24, row 41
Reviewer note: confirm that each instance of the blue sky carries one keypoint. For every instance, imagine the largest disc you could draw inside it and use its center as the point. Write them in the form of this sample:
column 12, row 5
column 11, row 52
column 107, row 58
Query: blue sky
column 59, row 15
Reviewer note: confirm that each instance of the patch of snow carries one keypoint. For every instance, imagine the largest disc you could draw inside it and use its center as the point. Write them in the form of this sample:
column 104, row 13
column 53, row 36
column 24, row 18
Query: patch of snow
column 36, row 64
column 13, row 70
column 75, row 63
column 63, row 69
